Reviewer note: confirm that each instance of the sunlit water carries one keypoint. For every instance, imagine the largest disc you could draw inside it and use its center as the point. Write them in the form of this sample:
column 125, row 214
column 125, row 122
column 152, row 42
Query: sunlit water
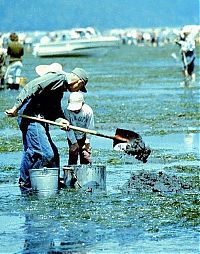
column 131, row 88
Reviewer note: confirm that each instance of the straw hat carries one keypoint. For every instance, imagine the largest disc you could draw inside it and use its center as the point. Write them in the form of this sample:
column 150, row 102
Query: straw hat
column 43, row 69
column 56, row 67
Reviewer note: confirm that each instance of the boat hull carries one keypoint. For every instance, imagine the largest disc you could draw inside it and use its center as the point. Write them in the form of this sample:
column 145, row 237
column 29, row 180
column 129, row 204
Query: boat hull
column 80, row 47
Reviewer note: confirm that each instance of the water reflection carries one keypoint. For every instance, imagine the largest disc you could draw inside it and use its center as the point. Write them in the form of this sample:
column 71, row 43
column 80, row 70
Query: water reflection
column 113, row 223
column 11, row 233
column 37, row 234
column 189, row 141
column 77, row 222
column 50, row 228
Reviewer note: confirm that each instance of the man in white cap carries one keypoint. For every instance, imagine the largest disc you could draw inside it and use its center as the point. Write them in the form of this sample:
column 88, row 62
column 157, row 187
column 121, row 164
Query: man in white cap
column 42, row 97
column 78, row 113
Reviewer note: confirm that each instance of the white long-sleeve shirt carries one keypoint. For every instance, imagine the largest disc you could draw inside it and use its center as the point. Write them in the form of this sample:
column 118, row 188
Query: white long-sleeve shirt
column 188, row 44
column 84, row 119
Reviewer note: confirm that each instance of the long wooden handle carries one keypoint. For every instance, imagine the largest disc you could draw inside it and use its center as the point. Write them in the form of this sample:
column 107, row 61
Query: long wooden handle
column 76, row 128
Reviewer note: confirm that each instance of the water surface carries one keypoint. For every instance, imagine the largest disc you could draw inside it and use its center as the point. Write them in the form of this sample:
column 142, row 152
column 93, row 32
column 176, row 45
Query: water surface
column 136, row 88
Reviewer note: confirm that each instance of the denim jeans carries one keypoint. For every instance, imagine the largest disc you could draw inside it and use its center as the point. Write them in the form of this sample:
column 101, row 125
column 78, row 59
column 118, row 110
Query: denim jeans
column 13, row 71
column 39, row 149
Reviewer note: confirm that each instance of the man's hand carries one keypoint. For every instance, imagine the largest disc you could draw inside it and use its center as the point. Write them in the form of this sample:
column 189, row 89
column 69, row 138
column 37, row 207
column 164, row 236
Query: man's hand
column 11, row 112
column 86, row 147
column 74, row 147
column 63, row 122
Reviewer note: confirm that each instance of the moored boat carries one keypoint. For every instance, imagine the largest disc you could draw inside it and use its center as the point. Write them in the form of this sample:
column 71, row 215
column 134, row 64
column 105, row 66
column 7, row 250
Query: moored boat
column 77, row 42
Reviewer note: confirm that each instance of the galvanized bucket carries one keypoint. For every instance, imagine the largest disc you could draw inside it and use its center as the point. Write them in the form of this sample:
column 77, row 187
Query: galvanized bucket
column 44, row 181
column 85, row 176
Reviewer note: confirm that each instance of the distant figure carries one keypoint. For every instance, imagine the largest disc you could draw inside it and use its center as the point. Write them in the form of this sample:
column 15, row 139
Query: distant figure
column 78, row 113
column 187, row 44
column 15, row 51
column 2, row 66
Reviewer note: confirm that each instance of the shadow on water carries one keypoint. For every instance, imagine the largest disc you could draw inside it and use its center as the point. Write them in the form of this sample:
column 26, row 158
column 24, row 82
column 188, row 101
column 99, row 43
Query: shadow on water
column 136, row 89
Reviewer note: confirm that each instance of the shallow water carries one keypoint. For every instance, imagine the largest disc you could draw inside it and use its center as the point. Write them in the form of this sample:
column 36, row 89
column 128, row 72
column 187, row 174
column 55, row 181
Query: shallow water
column 130, row 88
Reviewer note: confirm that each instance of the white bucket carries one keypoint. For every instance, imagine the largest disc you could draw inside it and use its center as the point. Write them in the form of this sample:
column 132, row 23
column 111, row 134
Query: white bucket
column 44, row 180
column 85, row 176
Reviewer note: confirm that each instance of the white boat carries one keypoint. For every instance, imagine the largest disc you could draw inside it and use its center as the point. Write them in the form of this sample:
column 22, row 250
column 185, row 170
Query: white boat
column 77, row 42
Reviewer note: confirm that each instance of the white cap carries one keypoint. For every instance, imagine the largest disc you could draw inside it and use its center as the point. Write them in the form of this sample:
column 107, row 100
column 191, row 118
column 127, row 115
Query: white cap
column 75, row 101
column 43, row 69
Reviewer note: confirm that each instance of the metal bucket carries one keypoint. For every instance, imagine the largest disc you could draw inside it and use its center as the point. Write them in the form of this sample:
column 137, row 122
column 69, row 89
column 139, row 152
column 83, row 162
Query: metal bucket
column 85, row 176
column 44, row 180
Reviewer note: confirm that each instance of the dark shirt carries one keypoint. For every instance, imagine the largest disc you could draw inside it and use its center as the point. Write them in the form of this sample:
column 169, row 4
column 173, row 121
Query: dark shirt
column 42, row 96
column 15, row 51
column 46, row 104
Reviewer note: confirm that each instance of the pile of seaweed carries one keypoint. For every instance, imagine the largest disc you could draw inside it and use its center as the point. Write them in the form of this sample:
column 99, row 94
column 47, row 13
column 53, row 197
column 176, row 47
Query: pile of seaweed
column 161, row 182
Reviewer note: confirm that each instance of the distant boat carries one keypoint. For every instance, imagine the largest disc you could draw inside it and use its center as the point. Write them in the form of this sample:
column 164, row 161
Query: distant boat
column 77, row 42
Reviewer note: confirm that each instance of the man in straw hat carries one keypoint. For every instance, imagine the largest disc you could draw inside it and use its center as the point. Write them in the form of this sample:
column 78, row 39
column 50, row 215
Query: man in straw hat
column 42, row 97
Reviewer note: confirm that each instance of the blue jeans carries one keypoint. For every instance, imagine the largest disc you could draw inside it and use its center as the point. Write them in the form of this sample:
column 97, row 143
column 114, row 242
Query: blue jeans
column 39, row 149
column 13, row 70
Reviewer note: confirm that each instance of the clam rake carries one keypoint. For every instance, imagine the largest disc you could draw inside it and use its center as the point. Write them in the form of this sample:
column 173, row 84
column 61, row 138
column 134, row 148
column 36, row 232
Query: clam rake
column 124, row 140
